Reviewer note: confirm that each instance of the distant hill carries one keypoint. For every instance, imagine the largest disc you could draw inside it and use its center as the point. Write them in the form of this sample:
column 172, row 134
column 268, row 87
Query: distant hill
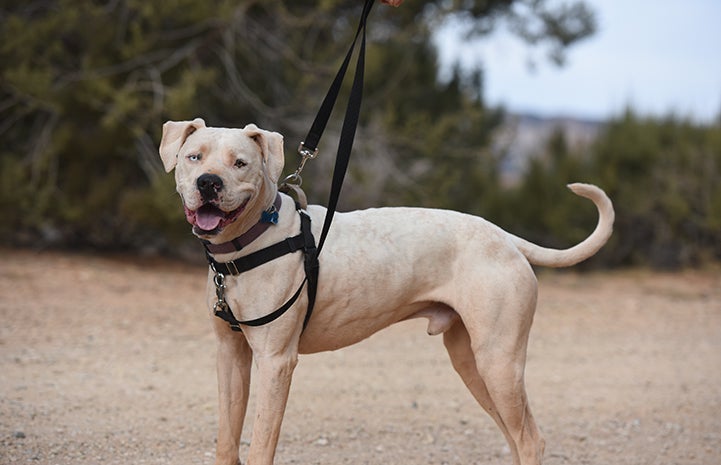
column 523, row 136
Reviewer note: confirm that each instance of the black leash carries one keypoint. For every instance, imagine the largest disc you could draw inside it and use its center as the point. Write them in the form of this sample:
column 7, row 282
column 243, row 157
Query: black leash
column 308, row 150
column 350, row 122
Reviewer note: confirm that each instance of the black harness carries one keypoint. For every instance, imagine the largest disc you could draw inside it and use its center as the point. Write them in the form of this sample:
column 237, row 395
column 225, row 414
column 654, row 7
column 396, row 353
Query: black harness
column 304, row 241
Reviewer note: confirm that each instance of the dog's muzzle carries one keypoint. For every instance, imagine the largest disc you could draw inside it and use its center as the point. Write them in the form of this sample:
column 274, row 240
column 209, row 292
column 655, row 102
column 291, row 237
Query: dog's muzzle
column 210, row 218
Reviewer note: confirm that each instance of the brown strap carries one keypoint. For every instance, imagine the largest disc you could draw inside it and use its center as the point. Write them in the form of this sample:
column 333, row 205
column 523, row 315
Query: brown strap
column 296, row 192
column 247, row 237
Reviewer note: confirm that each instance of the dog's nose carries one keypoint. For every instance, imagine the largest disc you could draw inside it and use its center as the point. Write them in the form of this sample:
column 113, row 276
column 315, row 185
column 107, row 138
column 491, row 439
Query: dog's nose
column 209, row 185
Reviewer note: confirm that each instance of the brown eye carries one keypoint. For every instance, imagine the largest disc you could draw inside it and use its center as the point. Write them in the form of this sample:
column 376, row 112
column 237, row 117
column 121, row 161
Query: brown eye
column 240, row 163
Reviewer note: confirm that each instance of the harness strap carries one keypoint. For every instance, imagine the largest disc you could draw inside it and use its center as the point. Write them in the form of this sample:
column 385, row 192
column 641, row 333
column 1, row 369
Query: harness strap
column 248, row 262
column 303, row 241
column 311, row 265
column 227, row 314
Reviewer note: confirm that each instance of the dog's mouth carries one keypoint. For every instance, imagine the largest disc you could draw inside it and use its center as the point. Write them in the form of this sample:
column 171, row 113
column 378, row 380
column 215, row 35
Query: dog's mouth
column 210, row 220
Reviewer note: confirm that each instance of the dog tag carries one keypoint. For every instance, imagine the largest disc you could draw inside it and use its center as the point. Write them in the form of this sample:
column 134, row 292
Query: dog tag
column 270, row 216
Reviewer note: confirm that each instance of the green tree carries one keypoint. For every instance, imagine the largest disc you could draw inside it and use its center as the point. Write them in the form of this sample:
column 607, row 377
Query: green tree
column 663, row 174
column 540, row 207
column 86, row 85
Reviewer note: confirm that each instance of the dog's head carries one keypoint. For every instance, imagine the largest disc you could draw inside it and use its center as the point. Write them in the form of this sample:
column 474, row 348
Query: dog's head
column 225, row 177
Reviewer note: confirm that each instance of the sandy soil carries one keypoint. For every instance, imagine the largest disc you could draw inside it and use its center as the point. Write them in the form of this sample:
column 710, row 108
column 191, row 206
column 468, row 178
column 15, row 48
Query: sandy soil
column 107, row 360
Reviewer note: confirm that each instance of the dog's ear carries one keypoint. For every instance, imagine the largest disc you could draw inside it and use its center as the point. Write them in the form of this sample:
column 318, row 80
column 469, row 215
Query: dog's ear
column 174, row 135
column 271, row 145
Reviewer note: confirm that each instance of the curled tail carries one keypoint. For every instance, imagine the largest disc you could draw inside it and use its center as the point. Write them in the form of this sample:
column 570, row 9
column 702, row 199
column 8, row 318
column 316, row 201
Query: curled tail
column 538, row 255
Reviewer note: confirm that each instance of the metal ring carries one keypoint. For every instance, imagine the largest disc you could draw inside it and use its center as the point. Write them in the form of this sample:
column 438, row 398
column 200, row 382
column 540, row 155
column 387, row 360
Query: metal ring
column 293, row 179
column 219, row 280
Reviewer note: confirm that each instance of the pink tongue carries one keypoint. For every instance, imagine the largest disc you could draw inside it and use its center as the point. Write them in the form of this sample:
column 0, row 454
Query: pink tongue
column 208, row 218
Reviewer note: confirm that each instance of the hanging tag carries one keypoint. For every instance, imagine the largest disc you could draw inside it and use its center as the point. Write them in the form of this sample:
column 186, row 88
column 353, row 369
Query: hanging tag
column 269, row 216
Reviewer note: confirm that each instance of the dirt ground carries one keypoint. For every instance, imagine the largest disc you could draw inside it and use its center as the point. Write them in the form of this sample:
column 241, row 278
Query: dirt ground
column 110, row 360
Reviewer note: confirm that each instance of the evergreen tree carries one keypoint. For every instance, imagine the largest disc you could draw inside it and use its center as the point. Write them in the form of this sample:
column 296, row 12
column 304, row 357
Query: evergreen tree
column 663, row 174
column 85, row 87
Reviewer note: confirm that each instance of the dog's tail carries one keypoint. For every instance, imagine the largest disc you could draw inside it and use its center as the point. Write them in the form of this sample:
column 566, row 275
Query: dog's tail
column 538, row 255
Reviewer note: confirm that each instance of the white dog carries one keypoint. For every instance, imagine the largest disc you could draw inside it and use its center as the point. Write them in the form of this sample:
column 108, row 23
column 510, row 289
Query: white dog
column 469, row 278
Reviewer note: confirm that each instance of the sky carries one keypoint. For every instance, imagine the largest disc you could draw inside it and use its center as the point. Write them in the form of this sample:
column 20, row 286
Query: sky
column 657, row 56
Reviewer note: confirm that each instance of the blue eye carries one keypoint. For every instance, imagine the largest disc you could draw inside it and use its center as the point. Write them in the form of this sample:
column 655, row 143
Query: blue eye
column 195, row 157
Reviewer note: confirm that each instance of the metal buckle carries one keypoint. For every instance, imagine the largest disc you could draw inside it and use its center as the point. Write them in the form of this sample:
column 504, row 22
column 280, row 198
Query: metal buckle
column 220, row 307
column 234, row 270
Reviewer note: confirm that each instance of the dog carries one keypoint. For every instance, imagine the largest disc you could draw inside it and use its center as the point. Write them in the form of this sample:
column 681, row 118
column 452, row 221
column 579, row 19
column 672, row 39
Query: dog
column 470, row 279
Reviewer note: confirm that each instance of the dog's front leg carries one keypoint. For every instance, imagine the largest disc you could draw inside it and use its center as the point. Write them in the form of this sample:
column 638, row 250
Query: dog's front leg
column 274, row 376
column 234, row 363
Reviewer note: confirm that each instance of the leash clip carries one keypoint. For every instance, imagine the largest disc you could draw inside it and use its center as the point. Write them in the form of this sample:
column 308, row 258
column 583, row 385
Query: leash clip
column 219, row 281
column 221, row 309
column 306, row 154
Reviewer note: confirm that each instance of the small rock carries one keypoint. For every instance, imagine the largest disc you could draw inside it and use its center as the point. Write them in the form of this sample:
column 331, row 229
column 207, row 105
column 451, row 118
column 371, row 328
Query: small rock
column 19, row 435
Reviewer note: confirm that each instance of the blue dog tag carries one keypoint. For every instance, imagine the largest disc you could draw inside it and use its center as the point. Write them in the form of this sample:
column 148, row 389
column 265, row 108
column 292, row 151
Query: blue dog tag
column 269, row 216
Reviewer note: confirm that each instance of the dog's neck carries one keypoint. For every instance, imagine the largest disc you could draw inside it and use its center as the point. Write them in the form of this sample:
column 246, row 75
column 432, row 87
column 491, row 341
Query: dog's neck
column 268, row 218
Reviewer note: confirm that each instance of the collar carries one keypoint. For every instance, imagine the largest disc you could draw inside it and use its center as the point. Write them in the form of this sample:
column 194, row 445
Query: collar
column 267, row 218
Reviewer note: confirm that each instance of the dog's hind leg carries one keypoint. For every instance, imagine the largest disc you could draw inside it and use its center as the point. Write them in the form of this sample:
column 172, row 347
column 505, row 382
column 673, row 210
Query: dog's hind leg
column 498, row 387
column 505, row 385
column 458, row 345
column 489, row 351
column 234, row 363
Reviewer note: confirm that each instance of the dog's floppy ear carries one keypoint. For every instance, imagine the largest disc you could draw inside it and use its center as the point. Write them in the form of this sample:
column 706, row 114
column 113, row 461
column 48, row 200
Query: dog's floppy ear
column 271, row 145
column 174, row 135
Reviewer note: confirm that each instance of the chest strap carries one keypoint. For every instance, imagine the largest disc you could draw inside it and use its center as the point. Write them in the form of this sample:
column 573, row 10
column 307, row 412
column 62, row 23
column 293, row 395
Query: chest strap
column 303, row 241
